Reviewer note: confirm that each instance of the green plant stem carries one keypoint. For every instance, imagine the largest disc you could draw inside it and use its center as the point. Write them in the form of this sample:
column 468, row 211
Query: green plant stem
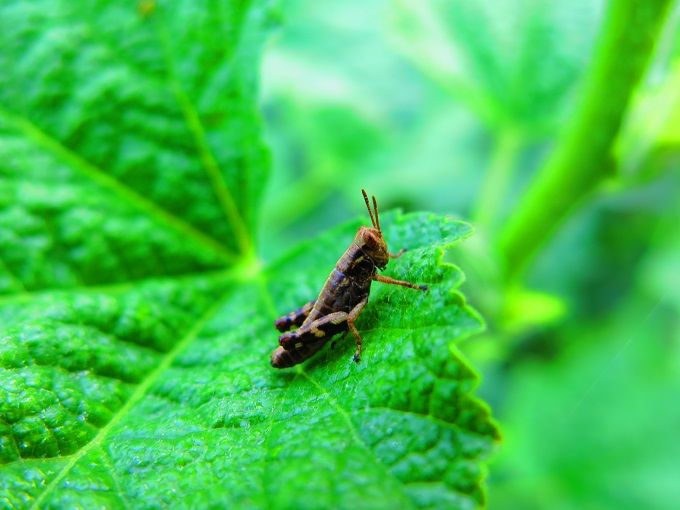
column 582, row 158
column 497, row 178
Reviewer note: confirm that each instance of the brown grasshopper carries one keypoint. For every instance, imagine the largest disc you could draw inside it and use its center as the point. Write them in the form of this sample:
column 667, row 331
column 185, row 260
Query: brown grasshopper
column 341, row 299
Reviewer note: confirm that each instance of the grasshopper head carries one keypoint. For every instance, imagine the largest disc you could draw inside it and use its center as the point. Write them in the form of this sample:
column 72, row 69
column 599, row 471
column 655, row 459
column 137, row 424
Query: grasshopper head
column 370, row 239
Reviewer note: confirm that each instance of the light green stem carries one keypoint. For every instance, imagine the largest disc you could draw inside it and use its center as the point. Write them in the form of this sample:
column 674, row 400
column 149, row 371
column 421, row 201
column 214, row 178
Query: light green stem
column 583, row 157
column 497, row 178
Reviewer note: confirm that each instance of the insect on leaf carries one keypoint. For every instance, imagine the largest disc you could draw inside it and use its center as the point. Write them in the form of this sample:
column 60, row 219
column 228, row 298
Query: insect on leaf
column 134, row 328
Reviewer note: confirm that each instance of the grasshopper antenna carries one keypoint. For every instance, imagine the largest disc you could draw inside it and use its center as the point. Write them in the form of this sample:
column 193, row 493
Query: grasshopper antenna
column 368, row 206
column 377, row 218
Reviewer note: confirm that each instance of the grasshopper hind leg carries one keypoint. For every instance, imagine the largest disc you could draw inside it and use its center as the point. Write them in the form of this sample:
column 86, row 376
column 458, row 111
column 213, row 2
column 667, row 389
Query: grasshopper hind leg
column 305, row 341
column 294, row 318
column 319, row 330
column 350, row 325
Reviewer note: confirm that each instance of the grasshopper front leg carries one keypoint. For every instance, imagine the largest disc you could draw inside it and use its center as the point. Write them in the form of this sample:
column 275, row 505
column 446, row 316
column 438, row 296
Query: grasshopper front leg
column 350, row 324
column 392, row 281
column 294, row 318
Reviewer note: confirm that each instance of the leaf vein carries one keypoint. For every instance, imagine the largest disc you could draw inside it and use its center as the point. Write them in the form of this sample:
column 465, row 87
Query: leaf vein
column 136, row 396
column 205, row 154
column 346, row 417
column 434, row 419
column 54, row 147
column 109, row 463
column 112, row 288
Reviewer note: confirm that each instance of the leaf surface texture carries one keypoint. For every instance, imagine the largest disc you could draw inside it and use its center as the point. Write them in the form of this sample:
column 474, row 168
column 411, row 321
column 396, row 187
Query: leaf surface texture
column 135, row 322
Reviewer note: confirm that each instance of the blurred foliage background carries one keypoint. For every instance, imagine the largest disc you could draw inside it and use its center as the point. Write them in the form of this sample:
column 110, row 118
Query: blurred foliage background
column 457, row 107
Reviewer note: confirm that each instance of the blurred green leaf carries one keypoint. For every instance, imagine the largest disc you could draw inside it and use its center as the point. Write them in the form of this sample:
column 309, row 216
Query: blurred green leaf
column 652, row 126
column 545, row 309
column 593, row 428
column 660, row 271
column 514, row 62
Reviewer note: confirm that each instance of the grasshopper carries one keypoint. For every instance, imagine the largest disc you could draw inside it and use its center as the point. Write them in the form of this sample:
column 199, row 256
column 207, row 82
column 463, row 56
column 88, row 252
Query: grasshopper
column 342, row 298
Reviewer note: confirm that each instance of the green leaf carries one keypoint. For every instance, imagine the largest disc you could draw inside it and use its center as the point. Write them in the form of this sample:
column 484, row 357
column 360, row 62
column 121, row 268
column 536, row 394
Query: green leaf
column 155, row 128
column 609, row 387
column 514, row 62
column 135, row 322
column 153, row 393
column 653, row 124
